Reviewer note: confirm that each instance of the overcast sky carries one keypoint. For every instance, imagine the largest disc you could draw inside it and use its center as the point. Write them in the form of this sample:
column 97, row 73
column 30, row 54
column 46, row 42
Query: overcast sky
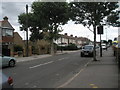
column 13, row 9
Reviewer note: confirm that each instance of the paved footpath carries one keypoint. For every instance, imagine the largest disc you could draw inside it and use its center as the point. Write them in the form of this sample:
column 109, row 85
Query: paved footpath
column 96, row 74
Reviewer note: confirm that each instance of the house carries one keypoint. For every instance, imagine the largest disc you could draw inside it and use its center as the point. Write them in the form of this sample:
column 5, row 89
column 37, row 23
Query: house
column 64, row 40
column 38, row 47
column 18, row 39
column 83, row 41
column 6, row 37
column 19, row 42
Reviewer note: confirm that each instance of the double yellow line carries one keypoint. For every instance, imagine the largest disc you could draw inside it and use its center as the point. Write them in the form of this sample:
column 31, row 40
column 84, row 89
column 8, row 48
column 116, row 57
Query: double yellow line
column 93, row 86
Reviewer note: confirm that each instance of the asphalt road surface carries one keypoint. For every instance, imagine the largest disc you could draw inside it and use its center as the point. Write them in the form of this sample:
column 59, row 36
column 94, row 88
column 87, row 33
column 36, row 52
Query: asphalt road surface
column 50, row 72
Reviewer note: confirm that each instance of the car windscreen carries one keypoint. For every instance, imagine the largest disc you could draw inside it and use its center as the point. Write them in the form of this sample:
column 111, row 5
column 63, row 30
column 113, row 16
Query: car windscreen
column 88, row 47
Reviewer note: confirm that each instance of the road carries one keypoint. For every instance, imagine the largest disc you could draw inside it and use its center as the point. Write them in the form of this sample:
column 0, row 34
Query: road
column 50, row 72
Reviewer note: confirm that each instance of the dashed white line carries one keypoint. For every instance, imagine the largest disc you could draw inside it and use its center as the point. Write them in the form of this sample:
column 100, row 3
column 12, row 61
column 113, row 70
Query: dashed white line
column 41, row 64
column 46, row 63
column 62, row 59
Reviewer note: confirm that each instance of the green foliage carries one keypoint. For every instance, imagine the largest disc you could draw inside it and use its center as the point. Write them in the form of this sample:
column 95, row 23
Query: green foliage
column 52, row 15
column 72, row 47
column 46, row 17
column 93, row 13
column 17, row 48
column 113, row 19
column 69, row 47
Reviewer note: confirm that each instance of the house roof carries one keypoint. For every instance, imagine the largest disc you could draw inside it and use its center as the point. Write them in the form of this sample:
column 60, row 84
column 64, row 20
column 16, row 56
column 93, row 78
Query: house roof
column 83, row 38
column 68, row 37
column 16, row 33
column 5, row 24
column 74, row 38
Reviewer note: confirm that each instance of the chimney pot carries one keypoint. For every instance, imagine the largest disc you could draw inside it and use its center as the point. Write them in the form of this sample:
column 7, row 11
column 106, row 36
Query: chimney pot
column 5, row 18
column 71, row 35
column 66, row 34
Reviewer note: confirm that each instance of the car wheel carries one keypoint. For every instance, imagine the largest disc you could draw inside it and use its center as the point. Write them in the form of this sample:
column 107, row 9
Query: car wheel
column 81, row 55
column 91, row 55
column 11, row 63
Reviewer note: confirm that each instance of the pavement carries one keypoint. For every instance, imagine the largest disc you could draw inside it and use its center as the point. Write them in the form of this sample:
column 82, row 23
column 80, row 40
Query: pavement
column 96, row 74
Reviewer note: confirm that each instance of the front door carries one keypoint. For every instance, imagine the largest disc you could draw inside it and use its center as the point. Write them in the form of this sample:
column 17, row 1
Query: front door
column 5, row 50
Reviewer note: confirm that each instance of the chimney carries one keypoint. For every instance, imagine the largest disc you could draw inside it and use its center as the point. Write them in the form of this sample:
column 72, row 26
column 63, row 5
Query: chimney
column 71, row 35
column 66, row 34
column 75, row 36
column 5, row 18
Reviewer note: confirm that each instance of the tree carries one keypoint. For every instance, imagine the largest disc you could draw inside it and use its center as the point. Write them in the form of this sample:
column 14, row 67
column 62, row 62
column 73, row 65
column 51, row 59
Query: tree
column 34, row 26
column 46, row 19
column 92, row 14
column 18, row 48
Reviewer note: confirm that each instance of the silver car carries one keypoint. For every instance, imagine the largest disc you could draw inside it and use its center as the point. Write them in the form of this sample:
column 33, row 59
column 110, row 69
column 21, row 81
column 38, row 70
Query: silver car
column 7, row 61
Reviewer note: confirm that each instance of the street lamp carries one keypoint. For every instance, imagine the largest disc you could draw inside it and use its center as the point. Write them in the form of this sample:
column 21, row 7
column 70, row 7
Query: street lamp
column 106, row 38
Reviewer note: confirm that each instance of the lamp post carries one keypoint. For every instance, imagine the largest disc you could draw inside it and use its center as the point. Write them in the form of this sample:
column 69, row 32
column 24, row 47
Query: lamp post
column 26, row 30
column 61, row 43
column 106, row 38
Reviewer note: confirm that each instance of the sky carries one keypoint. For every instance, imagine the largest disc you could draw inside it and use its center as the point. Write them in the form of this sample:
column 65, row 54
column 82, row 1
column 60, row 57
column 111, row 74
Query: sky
column 13, row 8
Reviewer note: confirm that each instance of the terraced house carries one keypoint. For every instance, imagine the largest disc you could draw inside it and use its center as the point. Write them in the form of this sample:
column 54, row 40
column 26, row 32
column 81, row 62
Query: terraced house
column 6, row 37
column 64, row 40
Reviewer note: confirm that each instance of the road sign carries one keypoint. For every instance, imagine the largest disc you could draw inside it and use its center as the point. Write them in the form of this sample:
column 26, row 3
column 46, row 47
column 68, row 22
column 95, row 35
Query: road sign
column 100, row 29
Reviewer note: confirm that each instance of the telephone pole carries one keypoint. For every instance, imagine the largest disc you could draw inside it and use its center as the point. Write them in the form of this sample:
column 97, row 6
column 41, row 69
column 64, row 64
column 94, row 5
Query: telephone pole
column 26, row 30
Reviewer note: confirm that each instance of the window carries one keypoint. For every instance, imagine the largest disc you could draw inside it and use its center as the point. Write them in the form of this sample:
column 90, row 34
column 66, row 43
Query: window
column 7, row 32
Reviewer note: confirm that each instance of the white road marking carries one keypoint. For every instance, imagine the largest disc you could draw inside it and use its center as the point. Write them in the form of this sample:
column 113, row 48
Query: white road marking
column 41, row 64
column 46, row 63
column 62, row 59
column 71, row 79
column 66, row 83
column 87, row 63
column 21, row 61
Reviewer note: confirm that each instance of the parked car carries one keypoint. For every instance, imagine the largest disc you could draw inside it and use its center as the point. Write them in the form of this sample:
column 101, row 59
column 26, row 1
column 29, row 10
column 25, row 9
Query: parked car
column 7, row 61
column 87, row 50
column 6, row 81
column 104, row 46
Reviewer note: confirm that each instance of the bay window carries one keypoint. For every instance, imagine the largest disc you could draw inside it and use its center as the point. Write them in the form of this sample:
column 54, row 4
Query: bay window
column 7, row 32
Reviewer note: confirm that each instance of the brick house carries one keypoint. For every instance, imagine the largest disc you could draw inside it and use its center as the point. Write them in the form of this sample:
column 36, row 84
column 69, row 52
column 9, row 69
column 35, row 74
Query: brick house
column 6, row 37
column 19, row 42
column 38, row 47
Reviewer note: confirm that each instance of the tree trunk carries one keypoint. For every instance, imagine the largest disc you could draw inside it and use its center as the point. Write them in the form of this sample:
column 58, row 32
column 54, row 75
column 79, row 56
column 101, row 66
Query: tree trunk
column 52, row 48
column 94, row 52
